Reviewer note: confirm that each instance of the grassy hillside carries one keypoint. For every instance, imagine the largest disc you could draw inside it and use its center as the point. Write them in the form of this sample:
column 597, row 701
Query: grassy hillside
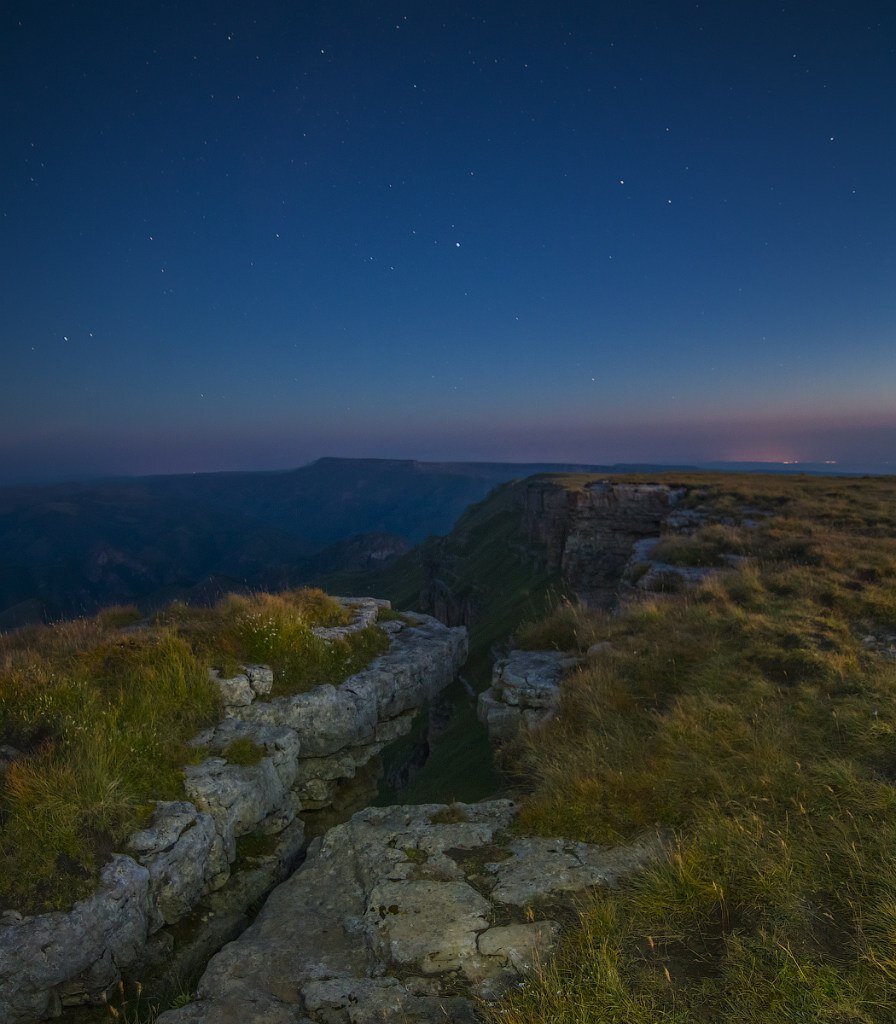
column 752, row 721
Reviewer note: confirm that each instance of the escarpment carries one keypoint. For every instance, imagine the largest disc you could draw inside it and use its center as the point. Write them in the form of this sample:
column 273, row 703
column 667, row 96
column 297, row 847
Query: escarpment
column 595, row 540
column 186, row 882
column 542, row 538
column 589, row 533
column 611, row 542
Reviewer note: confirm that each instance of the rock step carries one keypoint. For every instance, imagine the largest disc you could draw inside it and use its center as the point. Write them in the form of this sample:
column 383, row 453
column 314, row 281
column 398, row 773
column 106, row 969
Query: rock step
column 525, row 692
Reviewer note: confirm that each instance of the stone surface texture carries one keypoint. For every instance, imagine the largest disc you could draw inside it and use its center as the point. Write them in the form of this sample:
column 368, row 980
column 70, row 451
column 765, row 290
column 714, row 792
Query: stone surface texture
column 525, row 692
column 185, row 856
column 47, row 960
column 182, row 865
column 883, row 643
column 404, row 914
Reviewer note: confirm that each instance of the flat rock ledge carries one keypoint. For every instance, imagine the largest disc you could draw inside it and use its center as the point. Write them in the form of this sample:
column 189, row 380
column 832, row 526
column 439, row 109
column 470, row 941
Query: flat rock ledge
column 181, row 868
column 405, row 914
column 525, row 692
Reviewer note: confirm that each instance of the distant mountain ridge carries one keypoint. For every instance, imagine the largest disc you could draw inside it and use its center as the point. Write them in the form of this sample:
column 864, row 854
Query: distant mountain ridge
column 68, row 549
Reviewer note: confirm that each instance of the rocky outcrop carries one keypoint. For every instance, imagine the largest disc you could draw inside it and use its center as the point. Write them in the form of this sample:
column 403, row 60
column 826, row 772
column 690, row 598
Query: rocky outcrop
column 883, row 643
column 404, row 914
column 45, row 959
column 525, row 692
column 182, row 864
column 183, row 851
column 339, row 729
column 241, row 798
column 588, row 533
column 647, row 573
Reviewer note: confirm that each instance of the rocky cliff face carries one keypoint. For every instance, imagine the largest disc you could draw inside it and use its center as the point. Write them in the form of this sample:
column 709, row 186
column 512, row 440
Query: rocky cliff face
column 537, row 536
column 439, row 600
column 589, row 533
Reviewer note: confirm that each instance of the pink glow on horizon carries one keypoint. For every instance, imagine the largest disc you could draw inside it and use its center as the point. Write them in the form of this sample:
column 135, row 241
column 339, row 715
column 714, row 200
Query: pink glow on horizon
column 867, row 439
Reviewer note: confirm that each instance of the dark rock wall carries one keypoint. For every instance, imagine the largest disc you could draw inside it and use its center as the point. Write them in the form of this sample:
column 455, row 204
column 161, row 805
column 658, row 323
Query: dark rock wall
column 589, row 534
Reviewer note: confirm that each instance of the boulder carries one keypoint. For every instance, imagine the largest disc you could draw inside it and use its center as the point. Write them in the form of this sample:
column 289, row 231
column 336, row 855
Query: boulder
column 236, row 691
column 525, row 692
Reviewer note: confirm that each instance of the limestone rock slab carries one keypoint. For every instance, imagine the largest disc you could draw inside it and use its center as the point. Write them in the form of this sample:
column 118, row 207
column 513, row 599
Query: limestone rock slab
column 422, row 660
column 313, row 741
column 521, row 946
column 539, row 868
column 235, row 691
column 80, row 950
column 394, row 916
column 427, row 924
column 261, row 679
column 525, row 692
column 185, row 857
column 238, row 797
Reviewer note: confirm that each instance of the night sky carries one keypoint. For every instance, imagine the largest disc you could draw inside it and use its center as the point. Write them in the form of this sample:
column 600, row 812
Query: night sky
column 245, row 236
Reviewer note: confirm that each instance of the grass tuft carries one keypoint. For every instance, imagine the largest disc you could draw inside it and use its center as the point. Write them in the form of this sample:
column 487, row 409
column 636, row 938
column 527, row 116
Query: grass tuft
column 243, row 751
column 567, row 627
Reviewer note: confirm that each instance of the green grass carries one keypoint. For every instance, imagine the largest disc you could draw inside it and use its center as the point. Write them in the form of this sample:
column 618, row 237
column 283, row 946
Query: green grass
column 276, row 630
column 706, row 547
column 243, row 752
column 104, row 723
column 566, row 627
column 103, row 711
column 746, row 721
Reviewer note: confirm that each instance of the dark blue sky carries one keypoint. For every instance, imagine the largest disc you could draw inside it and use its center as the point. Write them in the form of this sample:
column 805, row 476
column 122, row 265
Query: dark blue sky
column 250, row 235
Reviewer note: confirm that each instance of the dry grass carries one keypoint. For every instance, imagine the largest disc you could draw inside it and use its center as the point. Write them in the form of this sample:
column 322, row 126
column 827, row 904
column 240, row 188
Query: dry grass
column 747, row 719
column 706, row 547
column 567, row 627
column 276, row 630
column 103, row 722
